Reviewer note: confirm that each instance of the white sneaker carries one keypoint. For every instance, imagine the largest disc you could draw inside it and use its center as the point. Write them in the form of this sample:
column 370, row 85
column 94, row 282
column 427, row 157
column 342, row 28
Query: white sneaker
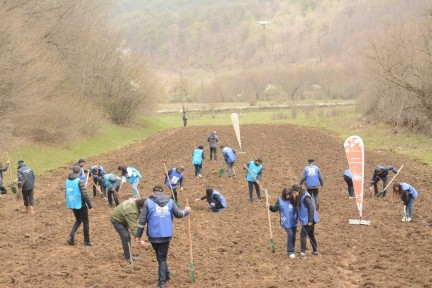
column 199, row 175
column 409, row 219
column 292, row 255
column 302, row 255
column 403, row 219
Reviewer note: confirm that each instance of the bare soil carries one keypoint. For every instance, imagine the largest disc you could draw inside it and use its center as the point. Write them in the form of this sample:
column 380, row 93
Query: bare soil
column 230, row 249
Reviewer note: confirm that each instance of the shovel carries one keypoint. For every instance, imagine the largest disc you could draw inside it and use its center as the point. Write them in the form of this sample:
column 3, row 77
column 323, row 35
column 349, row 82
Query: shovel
column 12, row 186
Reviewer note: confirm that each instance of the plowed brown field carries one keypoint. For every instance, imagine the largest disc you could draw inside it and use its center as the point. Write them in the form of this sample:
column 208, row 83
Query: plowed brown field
column 231, row 249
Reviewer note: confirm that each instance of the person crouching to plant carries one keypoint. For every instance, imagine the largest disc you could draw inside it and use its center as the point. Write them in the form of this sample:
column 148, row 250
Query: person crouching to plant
column 408, row 194
column 216, row 201
column 287, row 206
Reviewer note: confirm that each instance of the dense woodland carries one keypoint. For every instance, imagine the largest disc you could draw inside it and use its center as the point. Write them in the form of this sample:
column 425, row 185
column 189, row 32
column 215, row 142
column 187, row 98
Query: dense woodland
column 67, row 66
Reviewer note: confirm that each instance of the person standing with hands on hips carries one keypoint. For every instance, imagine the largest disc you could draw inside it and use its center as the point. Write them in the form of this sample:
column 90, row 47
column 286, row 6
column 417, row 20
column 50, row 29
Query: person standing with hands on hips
column 312, row 178
column 158, row 213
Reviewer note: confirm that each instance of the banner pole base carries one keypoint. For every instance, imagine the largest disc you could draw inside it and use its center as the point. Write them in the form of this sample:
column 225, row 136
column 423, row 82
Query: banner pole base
column 359, row 222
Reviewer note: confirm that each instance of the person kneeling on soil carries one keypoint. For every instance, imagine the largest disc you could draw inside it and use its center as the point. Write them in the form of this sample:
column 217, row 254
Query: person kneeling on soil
column 133, row 176
column 308, row 217
column 408, row 194
column 78, row 201
column 216, row 201
column 112, row 183
column 124, row 218
column 158, row 213
column 287, row 205
column 197, row 160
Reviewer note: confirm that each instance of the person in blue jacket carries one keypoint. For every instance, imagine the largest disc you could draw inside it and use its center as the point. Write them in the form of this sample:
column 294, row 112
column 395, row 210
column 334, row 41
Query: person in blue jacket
column 230, row 157
column 381, row 173
column 97, row 173
column 197, row 160
column 78, row 201
column 348, row 179
column 133, row 176
column 158, row 213
column 287, row 205
column 408, row 194
column 253, row 175
column 175, row 176
column 313, row 179
column 82, row 164
column 308, row 217
column 111, row 183
column 216, row 201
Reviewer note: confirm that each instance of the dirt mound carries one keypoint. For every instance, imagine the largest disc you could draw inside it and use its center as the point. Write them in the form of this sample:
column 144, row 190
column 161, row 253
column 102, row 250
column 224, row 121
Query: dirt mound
column 231, row 249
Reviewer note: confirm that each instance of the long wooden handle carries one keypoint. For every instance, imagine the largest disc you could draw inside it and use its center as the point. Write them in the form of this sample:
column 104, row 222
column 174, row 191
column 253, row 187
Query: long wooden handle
column 169, row 181
column 268, row 215
column 394, row 177
column 190, row 234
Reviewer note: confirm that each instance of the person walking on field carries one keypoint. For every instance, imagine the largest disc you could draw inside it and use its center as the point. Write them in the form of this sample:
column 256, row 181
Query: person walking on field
column 408, row 194
column 308, row 217
column 97, row 175
column 111, row 183
column 380, row 173
column 124, row 218
column 230, row 159
column 174, row 179
column 213, row 143
column 3, row 169
column 184, row 119
column 26, row 180
column 133, row 176
column 78, row 201
column 158, row 213
column 216, row 201
column 287, row 205
column 348, row 179
column 197, row 160
column 253, row 175
column 313, row 179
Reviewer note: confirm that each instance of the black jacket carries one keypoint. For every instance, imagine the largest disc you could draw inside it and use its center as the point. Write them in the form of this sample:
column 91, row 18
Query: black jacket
column 26, row 177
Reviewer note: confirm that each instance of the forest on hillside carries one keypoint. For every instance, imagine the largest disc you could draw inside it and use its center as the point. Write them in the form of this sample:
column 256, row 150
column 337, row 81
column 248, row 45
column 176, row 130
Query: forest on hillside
column 218, row 51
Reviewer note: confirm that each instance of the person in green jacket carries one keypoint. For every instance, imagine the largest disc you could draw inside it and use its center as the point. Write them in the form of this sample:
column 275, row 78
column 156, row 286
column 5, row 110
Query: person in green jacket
column 124, row 218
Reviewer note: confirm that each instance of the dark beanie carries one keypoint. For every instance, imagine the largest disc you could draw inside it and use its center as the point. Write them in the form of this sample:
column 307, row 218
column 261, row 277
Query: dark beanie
column 296, row 187
column 157, row 188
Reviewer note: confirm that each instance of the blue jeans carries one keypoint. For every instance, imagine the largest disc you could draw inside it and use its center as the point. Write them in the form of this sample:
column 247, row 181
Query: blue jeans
column 134, row 186
column 409, row 207
column 161, row 250
column 291, row 232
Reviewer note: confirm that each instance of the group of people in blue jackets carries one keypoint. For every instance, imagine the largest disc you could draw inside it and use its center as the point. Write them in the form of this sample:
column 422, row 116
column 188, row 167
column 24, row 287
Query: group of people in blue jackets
column 401, row 190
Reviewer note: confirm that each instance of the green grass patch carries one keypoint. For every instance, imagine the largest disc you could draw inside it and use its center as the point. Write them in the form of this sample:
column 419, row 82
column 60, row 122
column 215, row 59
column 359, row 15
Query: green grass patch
column 43, row 158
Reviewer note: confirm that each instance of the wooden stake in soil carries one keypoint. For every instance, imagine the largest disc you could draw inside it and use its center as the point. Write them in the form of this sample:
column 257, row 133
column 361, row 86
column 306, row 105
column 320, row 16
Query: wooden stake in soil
column 268, row 212
column 191, row 265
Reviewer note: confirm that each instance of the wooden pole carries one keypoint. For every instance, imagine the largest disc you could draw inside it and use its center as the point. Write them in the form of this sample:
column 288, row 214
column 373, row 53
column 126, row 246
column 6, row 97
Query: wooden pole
column 130, row 256
column 192, row 265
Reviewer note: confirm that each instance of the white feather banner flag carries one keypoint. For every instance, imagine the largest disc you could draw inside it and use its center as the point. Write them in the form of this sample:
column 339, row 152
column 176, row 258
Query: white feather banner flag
column 236, row 125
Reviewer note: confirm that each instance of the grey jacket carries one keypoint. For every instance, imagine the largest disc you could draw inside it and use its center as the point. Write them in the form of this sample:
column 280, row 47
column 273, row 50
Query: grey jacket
column 26, row 177
column 213, row 140
column 3, row 169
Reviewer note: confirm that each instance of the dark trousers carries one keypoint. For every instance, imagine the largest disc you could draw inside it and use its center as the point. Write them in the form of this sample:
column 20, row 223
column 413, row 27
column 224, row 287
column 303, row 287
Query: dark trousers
column 111, row 196
column 184, row 123
column 98, row 180
column 377, row 179
column 308, row 231
column 81, row 216
column 175, row 195
column 123, row 232
column 349, row 182
column 257, row 188
column 161, row 250
column 314, row 193
column 28, row 197
column 198, row 169
column 213, row 151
